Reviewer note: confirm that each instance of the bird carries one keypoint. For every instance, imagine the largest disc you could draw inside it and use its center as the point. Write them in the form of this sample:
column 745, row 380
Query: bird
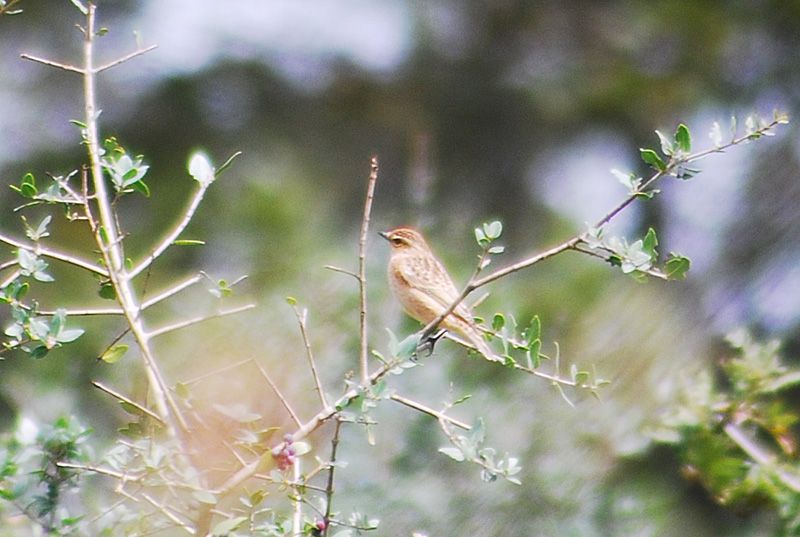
column 425, row 290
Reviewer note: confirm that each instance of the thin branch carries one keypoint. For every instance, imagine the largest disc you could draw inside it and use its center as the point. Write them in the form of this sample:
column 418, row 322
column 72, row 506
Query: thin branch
column 341, row 270
column 196, row 320
column 283, row 400
column 173, row 290
column 125, row 58
column 301, row 320
column 167, row 512
column 84, row 312
column 115, row 394
column 51, row 63
column 54, row 254
column 761, row 455
column 101, row 471
column 167, row 241
column 216, row 372
column 11, row 277
column 326, row 519
column 429, row 411
column 362, row 270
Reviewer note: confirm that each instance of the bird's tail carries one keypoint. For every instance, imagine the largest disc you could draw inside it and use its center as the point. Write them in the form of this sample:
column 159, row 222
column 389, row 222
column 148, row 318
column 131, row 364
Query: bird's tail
column 475, row 338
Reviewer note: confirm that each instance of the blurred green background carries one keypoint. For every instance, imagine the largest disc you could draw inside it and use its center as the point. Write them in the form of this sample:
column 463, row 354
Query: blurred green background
column 477, row 110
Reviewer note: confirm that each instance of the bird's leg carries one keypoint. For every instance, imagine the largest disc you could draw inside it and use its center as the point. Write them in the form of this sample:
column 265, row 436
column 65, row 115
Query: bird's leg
column 431, row 341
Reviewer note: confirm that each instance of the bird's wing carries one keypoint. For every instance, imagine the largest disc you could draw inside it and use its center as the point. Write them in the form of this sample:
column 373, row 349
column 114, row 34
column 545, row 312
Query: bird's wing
column 427, row 275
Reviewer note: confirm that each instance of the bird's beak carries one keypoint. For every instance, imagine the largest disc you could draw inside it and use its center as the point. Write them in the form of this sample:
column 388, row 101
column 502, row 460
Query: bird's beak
column 384, row 234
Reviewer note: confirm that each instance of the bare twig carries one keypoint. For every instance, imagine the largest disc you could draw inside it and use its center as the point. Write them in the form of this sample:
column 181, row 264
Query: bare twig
column 55, row 254
column 429, row 411
column 83, row 312
column 51, row 63
column 301, row 320
column 195, row 320
column 164, row 509
column 362, row 271
column 115, row 394
column 125, row 58
column 173, row 290
column 173, row 234
column 341, row 270
column 279, row 394
column 761, row 455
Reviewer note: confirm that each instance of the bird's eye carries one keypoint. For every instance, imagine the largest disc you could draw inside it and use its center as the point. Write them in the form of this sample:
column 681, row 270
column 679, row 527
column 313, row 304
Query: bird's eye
column 397, row 240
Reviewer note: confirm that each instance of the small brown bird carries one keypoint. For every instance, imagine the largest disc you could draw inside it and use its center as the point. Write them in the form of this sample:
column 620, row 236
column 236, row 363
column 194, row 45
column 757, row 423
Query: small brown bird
column 425, row 290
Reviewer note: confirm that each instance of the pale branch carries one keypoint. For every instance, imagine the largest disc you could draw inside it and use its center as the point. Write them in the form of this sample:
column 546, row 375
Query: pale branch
column 301, row 321
column 284, row 401
column 82, row 312
column 173, row 234
column 362, row 272
column 125, row 58
column 196, row 320
column 761, row 455
column 115, row 394
column 51, row 63
column 107, row 237
column 342, row 271
column 55, row 254
column 101, row 471
column 11, row 277
column 429, row 411
column 172, row 290
column 165, row 510
column 216, row 372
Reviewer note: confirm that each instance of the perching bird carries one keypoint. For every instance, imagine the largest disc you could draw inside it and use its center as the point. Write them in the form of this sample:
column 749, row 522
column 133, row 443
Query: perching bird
column 425, row 290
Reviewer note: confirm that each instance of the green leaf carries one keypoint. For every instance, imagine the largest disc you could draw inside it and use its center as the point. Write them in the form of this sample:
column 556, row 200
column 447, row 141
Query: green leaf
column 650, row 243
column 651, row 157
column 677, row 266
column 666, row 144
column 493, row 229
column 291, row 300
column 107, row 291
column 480, row 236
column 535, row 329
column 683, row 139
column 141, row 187
column 114, row 353
column 227, row 526
column 498, row 322
column 28, row 186
column 188, row 242
column 39, row 352
column 69, row 335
